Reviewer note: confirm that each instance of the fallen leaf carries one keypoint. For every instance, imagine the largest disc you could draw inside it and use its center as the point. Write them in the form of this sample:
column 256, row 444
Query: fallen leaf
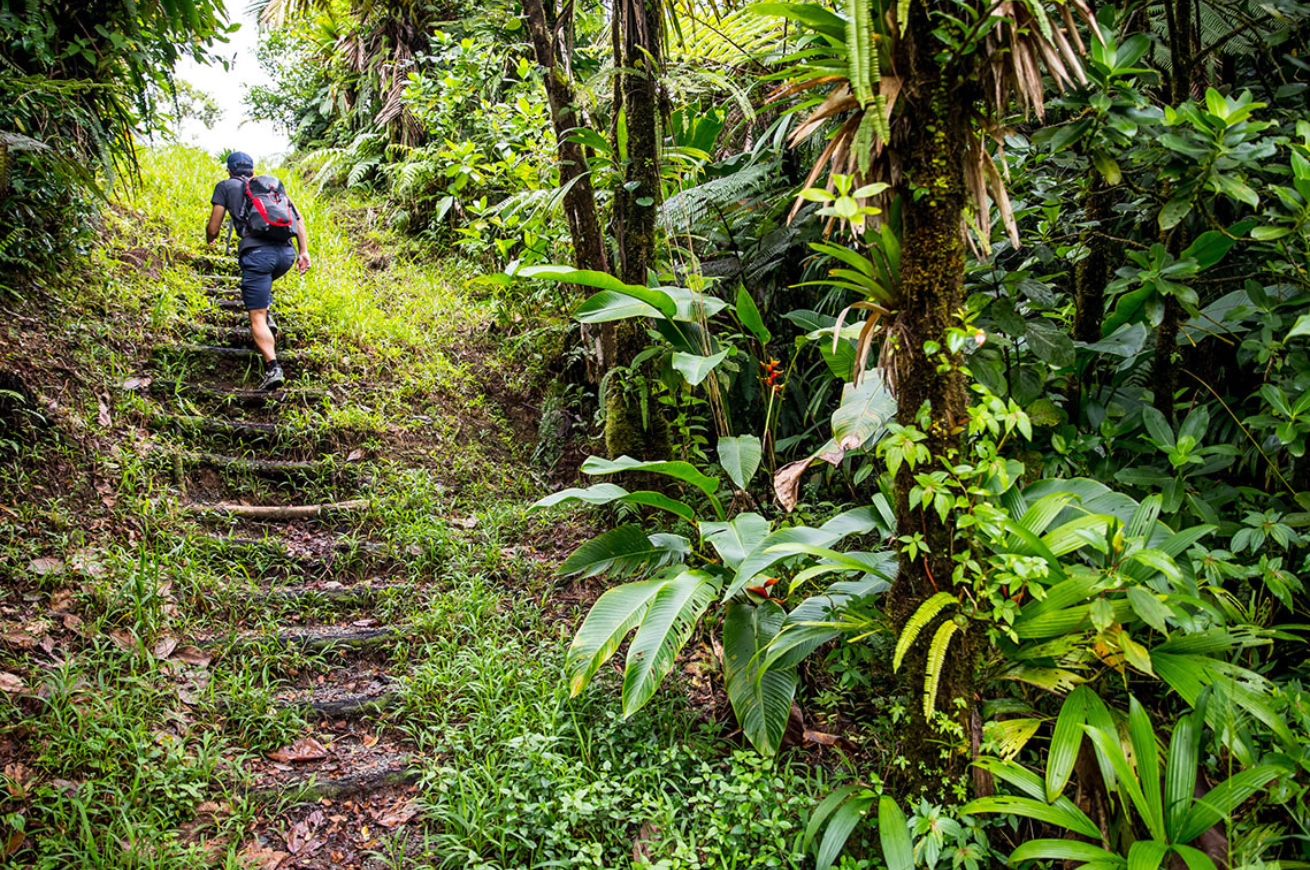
column 124, row 639
column 164, row 647
column 192, row 656
column 46, row 566
column 465, row 522
column 369, row 740
column 365, row 623
column 12, row 844
column 103, row 416
column 20, row 639
column 11, row 683
column 60, row 599
column 355, row 455
column 304, row 749
column 820, row 738
column 257, row 857
column 137, row 383
column 72, row 622
column 399, row 815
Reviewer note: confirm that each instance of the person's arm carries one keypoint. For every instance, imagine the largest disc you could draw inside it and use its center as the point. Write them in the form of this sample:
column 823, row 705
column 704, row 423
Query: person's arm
column 215, row 224
column 302, row 242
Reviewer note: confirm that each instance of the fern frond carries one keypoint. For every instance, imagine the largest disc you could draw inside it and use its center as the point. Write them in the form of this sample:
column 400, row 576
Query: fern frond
column 932, row 677
column 926, row 613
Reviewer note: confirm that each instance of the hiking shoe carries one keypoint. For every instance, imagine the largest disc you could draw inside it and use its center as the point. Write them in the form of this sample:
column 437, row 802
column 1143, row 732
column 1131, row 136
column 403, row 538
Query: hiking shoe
column 273, row 377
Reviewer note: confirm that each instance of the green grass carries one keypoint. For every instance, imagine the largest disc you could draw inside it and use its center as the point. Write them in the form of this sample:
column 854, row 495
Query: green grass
column 121, row 750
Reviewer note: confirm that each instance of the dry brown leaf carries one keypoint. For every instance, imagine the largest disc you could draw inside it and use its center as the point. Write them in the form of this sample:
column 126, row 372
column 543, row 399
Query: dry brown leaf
column 46, row 566
column 465, row 522
column 787, row 483
column 137, row 383
column 369, row 740
column 368, row 622
column 11, row 683
column 257, row 857
column 60, row 599
column 355, row 455
column 820, row 738
column 72, row 622
column 192, row 656
column 398, row 815
column 12, row 844
column 164, row 647
column 19, row 638
column 304, row 749
column 102, row 417
column 124, row 639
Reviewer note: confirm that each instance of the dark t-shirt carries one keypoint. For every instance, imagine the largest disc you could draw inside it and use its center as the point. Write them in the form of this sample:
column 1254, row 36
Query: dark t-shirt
column 231, row 194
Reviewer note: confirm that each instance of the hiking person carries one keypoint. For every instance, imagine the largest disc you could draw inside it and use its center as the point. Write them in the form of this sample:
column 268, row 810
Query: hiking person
column 265, row 220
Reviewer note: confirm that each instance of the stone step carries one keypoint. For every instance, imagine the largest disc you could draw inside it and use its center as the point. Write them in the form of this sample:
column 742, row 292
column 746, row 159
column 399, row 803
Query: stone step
column 235, row 337
column 354, row 763
column 211, row 263
column 313, row 639
column 237, row 430
column 245, row 398
column 280, row 468
column 274, row 513
column 233, row 354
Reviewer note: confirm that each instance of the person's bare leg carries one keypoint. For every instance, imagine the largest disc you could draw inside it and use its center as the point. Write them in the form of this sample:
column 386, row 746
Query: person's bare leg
column 262, row 334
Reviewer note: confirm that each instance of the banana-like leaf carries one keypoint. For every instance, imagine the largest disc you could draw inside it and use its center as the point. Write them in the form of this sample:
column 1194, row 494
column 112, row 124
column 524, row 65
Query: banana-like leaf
column 606, row 493
column 665, row 627
column 696, row 368
column 625, row 550
column 863, row 414
column 740, row 458
column 760, row 558
column 607, row 306
column 657, row 299
column 676, row 469
column 735, row 539
column 761, row 697
column 613, row 615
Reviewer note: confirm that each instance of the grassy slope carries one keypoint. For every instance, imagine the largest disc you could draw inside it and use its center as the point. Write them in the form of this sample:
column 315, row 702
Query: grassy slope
column 108, row 767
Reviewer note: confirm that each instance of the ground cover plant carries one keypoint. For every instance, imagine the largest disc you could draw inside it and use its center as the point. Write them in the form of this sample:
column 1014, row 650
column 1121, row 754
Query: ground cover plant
column 792, row 434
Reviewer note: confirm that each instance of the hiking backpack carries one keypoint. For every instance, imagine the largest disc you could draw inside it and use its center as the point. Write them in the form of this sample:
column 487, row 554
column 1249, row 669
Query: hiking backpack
column 268, row 212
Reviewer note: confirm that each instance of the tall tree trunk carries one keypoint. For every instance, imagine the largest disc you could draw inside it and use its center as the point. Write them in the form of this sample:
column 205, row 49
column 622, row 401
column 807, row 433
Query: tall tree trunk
column 574, row 173
column 933, row 196
column 1090, row 277
column 633, row 426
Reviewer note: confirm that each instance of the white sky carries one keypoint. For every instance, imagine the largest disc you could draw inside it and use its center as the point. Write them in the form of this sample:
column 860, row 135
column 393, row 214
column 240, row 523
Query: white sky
column 261, row 139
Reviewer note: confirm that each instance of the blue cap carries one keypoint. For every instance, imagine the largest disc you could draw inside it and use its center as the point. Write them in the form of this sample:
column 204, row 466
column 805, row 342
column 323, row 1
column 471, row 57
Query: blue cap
column 239, row 162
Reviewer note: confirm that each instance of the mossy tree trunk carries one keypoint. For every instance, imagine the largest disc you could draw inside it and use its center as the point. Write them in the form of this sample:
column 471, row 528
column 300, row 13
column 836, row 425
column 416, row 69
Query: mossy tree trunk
column 635, row 426
column 928, row 378
column 574, row 173
column 1090, row 277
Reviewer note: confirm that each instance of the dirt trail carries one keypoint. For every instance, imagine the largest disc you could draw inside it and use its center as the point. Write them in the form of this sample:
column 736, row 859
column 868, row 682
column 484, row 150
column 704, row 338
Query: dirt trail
column 349, row 770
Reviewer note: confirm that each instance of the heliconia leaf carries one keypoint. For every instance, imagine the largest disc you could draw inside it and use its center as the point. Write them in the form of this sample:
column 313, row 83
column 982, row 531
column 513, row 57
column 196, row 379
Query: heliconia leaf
column 695, row 368
column 658, row 300
column 894, row 835
column 761, row 697
column 605, row 493
column 610, row 619
column 740, row 458
column 665, row 627
column 624, row 550
column 676, row 469
column 863, row 414
column 750, row 317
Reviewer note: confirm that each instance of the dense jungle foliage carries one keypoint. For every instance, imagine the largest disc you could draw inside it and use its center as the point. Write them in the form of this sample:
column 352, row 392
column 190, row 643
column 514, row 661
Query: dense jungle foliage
column 946, row 363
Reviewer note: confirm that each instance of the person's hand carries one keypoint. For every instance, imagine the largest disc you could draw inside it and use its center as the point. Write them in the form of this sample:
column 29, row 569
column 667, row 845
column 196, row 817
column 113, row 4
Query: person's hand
column 302, row 262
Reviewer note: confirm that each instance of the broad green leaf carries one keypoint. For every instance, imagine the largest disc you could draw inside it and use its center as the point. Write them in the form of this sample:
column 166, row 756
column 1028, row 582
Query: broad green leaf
column 610, row 619
column 761, row 698
column 1050, row 343
column 740, row 458
column 607, row 306
column 735, row 539
column 1147, row 854
column 1063, row 813
column 605, row 493
column 1194, row 858
column 1301, row 327
column 1173, row 212
column 676, row 469
column 658, row 300
column 1223, row 800
column 696, row 369
column 844, row 820
column 864, row 412
column 894, row 835
column 1062, row 850
column 1147, row 757
column 664, row 629
column 825, row 808
column 1147, row 605
column 750, row 317
column 1066, row 740
column 1209, row 248
column 624, row 550
column 1180, row 772
column 760, row 558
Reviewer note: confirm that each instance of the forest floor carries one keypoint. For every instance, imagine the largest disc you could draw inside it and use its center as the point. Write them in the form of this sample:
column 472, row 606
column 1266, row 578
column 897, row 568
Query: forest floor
column 318, row 627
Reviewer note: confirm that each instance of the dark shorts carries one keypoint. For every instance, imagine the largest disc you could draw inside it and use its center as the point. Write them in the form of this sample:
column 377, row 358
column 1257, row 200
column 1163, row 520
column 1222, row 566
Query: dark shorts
column 259, row 267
